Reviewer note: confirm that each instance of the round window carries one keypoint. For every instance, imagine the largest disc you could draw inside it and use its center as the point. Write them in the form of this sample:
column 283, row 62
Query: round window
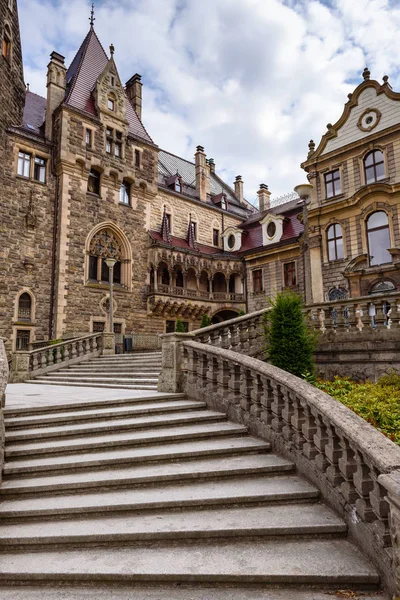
column 231, row 241
column 271, row 229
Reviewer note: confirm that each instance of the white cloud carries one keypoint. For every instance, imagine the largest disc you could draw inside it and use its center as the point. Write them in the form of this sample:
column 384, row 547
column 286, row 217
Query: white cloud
column 250, row 80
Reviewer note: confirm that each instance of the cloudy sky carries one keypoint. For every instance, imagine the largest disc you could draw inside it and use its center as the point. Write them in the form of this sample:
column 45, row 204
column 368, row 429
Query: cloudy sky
column 250, row 80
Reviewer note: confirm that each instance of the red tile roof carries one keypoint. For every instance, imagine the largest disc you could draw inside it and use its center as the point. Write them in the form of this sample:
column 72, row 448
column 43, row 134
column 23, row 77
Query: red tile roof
column 87, row 66
column 252, row 232
column 182, row 243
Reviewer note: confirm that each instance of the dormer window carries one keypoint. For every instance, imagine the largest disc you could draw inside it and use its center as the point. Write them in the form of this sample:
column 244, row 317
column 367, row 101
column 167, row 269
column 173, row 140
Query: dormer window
column 223, row 203
column 231, row 241
column 110, row 104
column 272, row 228
column 178, row 185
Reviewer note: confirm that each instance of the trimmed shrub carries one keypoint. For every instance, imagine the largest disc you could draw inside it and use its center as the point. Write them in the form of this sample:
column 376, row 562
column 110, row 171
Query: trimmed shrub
column 179, row 326
column 290, row 344
column 205, row 320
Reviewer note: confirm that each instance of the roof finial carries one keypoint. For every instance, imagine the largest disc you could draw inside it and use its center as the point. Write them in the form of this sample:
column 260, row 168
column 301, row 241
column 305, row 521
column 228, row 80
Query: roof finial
column 112, row 49
column 92, row 17
column 366, row 74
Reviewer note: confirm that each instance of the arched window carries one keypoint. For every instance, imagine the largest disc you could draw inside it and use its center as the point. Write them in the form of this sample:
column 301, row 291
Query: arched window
column 25, row 307
column 334, row 237
column 179, row 279
column 6, row 45
column 378, row 238
column 103, row 245
column 110, row 103
column 374, row 166
column 94, row 182
column 125, row 193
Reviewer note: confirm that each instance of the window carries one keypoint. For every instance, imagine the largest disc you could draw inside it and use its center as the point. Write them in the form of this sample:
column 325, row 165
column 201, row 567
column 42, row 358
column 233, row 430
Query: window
column 99, row 272
column 289, row 274
column 178, row 185
column 334, row 237
column 25, row 307
column 110, row 104
column 24, row 164
column 125, row 193
column 194, row 229
column 216, row 237
column 112, row 81
column 271, row 229
column 98, row 326
column 374, row 166
column 223, row 204
column 93, row 268
column 332, row 184
column 168, row 217
column 179, row 279
column 378, row 238
column 231, row 241
column 118, row 144
column 23, row 339
column 39, row 169
column 88, row 138
column 257, row 281
column 170, row 326
column 137, row 159
column 109, row 140
column 6, row 45
column 94, row 182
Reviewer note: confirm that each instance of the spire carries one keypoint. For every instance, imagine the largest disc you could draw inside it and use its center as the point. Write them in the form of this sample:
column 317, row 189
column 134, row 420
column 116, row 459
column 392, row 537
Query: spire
column 112, row 49
column 191, row 239
column 165, row 233
column 92, row 17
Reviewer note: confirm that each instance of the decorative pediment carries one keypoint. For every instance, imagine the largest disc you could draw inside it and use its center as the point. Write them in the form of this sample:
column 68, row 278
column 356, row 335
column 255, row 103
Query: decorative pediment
column 109, row 93
column 371, row 108
column 272, row 228
column 357, row 264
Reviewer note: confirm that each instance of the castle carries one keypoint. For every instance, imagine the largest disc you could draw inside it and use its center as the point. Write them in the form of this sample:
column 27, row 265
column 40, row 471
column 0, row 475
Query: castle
column 82, row 181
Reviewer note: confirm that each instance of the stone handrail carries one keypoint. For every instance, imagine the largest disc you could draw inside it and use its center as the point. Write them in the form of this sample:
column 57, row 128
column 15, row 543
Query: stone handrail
column 3, row 384
column 28, row 364
column 375, row 312
column 355, row 467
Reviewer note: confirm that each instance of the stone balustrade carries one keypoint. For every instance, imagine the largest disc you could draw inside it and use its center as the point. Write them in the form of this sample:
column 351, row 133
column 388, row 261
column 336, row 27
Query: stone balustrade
column 3, row 384
column 355, row 467
column 184, row 292
column 28, row 364
column 356, row 315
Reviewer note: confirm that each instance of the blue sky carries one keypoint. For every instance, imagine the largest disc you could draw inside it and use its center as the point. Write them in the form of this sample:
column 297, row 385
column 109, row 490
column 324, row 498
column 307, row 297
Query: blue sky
column 250, row 80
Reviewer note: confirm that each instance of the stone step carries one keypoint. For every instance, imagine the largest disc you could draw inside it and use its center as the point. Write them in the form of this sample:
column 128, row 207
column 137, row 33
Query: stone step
column 130, row 456
column 120, row 372
column 258, row 489
column 93, row 378
column 326, row 563
column 130, row 355
column 74, row 405
column 87, row 376
column 150, row 360
column 271, row 520
column 184, row 470
column 114, row 425
column 174, row 592
column 108, row 441
column 150, row 406
column 110, row 386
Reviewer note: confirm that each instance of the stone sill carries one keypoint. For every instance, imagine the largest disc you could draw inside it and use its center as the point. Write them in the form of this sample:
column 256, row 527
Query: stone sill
column 104, row 286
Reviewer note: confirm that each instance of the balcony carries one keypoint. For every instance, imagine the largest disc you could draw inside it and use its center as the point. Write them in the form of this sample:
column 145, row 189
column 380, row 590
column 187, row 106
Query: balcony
column 191, row 294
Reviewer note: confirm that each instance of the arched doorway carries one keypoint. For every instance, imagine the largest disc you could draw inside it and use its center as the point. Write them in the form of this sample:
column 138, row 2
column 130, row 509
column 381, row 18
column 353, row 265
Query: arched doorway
column 224, row 315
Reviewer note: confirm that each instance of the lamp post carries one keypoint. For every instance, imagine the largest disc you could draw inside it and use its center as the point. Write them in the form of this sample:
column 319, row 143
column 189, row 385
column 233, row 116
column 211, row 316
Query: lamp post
column 110, row 262
column 304, row 191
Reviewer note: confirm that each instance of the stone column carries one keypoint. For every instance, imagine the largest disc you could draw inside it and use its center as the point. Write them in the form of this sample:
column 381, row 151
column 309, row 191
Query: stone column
column 20, row 366
column 108, row 346
column 316, row 293
column 170, row 379
column 391, row 482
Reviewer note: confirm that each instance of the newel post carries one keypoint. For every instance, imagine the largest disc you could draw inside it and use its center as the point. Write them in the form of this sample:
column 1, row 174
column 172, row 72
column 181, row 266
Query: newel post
column 108, row 344
column 20, row 366
column 391, row 483
column 170, row 379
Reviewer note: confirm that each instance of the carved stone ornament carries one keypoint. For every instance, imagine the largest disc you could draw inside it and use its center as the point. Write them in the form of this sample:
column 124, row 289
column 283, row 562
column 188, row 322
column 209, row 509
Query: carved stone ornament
column 105, row 305
column 106, row 245
column 337, row 293
column 314, row 242
column 369, row 119
column 30, row 217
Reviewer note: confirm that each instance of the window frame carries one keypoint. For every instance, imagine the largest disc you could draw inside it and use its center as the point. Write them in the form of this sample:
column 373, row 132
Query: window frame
column 42, row 168
column 96, row 178
column 373, row 229
column 289, row 275
column 137, row 159
column 373, row 166
column 25, row 161
column 257, row 281
column 334, row 239
column 111, row 104
column 6, row 42
column 126, row 186
column 98, row 263
column 216, row 237
column 28, row 336
column 330, row 180
column 88, row 138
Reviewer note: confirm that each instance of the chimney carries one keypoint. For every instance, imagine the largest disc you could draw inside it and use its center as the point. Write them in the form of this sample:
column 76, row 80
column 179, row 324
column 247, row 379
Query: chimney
column 133, row 89
column 264, row 196
column 238, row 183
column 56, row 83
column 202, row 174
column 211, row 164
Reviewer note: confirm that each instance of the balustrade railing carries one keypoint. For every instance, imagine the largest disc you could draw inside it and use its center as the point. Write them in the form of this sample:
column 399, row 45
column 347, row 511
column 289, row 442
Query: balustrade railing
column 357, row 314
column 355, row 467
column 182, row 292
column 26, row 365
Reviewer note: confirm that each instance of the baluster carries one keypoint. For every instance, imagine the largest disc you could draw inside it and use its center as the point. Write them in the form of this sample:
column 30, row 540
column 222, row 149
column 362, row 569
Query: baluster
column 35, row 362
column 320, row 439
column 297, row 420
column 266, row 401
column 287, row 413
column 215, row 338
column 235, row 340
column 358, row 314
column 80, row 348
column 191, row 365
column 309, row 429
column 246, row 388
column 244, row 337
column 364, row 485
column 333, row 452
column 256, row 396
column 380, row 317
column 322, row 320
column 381, row 508
column 225, row 341
column 234, row 384
column 340, row 320
column 347, row 466
column 74, row 349
column 223, row 381
column 58, row 357
column 372, row 314
column 211, row 375
column 394, row 315
column 258, row 341
column 277, row 405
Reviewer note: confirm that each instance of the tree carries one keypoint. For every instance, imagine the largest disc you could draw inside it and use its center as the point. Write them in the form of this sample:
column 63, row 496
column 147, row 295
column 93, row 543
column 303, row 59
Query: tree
column 179, row 326
column 205, row 320
column 290, row 343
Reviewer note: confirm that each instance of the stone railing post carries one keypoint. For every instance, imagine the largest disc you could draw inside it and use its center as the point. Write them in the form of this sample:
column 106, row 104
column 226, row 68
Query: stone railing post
column 171, row 376
column 3, row 384
column 20, row 366
column 391, row 483
column 108, row 345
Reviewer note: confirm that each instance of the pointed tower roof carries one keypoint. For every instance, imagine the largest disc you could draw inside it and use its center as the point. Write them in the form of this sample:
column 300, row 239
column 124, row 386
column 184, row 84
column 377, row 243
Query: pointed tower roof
column 89, row 63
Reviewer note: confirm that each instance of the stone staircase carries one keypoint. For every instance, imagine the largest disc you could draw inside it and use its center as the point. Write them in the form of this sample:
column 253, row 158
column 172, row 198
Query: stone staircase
column 136, row 371
column 167, row 498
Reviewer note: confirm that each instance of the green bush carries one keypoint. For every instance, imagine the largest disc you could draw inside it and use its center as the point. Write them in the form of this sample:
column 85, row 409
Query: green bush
column 290, row 344
column 378, row 403
column 205, row 320
column 179, row 326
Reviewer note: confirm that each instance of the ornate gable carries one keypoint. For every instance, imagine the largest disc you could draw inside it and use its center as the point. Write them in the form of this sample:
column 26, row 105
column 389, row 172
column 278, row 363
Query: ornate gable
column 109, row 93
